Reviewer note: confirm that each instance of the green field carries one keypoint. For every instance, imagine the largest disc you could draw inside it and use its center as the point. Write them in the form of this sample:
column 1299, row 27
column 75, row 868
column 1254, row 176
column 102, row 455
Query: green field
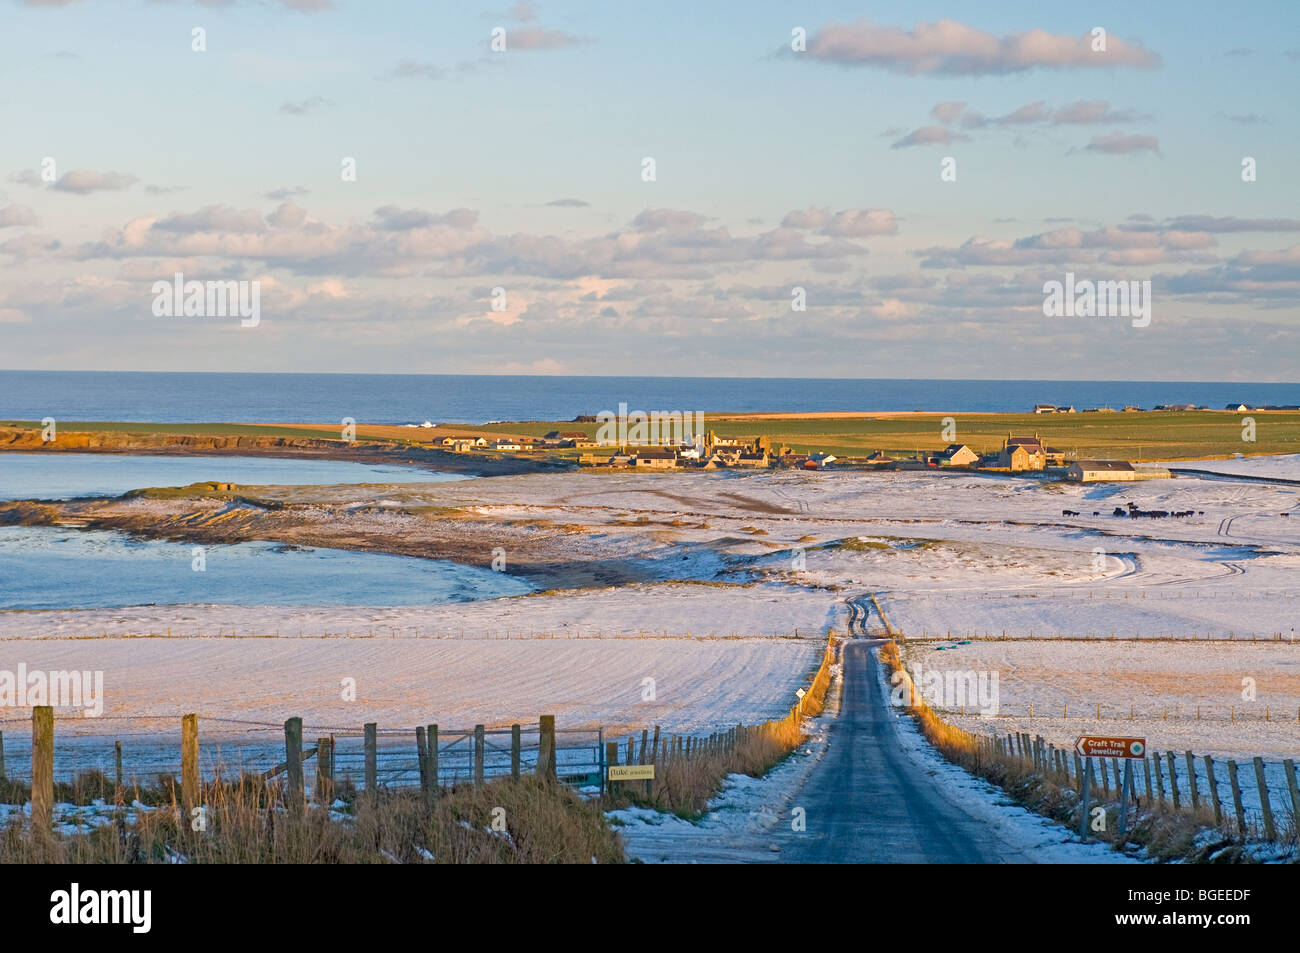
column 1146, row 435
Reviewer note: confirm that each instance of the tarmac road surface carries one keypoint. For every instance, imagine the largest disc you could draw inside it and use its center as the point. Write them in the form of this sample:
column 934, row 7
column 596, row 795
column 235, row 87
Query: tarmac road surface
column 866, row 801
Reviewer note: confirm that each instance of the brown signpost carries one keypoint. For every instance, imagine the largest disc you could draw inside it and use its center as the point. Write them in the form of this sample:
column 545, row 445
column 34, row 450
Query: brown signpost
column 1129, row 749
column 1091, row 746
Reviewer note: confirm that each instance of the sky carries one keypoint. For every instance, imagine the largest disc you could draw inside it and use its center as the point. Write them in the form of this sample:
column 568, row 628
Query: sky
column 502, row 218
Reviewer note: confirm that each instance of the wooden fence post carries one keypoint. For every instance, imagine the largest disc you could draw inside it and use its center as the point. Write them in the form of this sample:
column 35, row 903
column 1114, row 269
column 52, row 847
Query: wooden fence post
column 1105, row 779
column 1146, row 774
column 431, row 760
column 324, row 772
column 1160, row 780
column 1125, row 787
column 1236, row 798
column 1191, row 780
column 117, row 768
column 294, row 797
column 372, row 757
column 1265, row 807
column 422, row 757
column 546, row 757
column 1173, row 779
column 480, row 739
column 611, row 758
column 1289, row 767
column 1087, row 792
column 42, row 767
column 1214, row 790
column 516, row 749
column 189, row 766
column 2, row 756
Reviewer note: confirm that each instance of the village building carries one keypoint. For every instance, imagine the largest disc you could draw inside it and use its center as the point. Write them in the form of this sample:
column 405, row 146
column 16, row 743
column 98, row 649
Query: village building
column 1092, row 471
column 1028, row 453
column 656, row 458
column 957, row 455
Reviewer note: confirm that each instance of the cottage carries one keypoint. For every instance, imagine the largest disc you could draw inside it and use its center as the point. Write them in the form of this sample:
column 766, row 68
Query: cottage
column 1044, row 408
column 655, row 459
column 958, row 455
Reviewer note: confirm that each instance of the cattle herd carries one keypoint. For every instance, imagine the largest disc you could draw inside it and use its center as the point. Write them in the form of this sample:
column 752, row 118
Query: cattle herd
column 1132, row 510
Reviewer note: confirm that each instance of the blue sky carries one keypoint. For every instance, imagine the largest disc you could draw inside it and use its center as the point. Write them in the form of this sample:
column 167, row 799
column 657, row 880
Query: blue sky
column 225, row 164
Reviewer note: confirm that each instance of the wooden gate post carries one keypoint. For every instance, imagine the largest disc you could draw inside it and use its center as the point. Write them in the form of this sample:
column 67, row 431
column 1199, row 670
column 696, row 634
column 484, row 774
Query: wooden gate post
column 372, row 758
column 42, row 767
column 294, row 796
column 480, row 739
column 546, row 747
column 422, row 757
column 324, row 772
column 1265, row 807
column 431, row 761
column 189, row 765
column 1236, row 798
column 611, row 759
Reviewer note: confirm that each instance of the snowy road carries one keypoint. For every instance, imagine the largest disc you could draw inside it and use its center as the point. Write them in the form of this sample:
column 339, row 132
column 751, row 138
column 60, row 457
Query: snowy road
column 867, row 801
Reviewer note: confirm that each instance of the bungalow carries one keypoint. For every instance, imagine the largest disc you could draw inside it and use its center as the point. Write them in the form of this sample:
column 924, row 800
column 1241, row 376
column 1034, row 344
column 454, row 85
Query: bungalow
column 821, row 460
column 1092, row 471
column 505, row 443
column 655, row 459
column 1044, row 408
column 1238, row 408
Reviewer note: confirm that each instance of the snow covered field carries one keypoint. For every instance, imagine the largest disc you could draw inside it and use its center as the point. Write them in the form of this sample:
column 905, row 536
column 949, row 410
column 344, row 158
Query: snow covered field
column 1277, row 467
column 943, row 553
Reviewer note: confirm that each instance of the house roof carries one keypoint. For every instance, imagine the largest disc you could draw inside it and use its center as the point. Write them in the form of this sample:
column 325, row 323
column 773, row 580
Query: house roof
column 1112, row 466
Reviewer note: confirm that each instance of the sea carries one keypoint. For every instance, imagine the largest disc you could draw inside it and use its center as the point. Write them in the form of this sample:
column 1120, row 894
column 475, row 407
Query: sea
column 183, row 397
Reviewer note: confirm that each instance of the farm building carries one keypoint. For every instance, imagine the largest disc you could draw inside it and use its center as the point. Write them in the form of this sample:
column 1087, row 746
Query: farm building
column 1091, row 471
